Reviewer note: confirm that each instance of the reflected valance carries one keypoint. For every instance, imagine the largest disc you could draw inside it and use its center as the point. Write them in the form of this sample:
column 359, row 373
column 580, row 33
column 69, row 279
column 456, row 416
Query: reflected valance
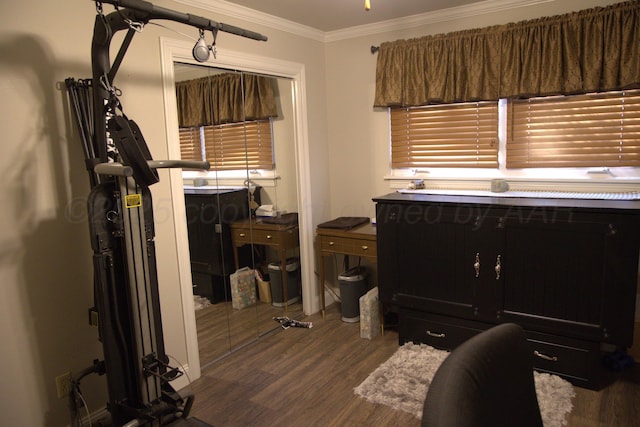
column 218, row 99
column 592, row 50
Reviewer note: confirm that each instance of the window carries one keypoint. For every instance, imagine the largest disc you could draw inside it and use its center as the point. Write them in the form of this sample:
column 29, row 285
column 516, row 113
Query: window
column 578, row 131
column 595, row 130
column 233, row 146
column 454, row 135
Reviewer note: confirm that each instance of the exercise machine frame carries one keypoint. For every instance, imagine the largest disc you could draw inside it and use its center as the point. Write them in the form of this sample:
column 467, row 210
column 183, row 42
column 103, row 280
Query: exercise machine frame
column 120, row 214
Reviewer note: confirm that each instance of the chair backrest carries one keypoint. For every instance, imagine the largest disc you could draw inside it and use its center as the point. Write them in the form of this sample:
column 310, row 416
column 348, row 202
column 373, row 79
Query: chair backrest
column 486, row 381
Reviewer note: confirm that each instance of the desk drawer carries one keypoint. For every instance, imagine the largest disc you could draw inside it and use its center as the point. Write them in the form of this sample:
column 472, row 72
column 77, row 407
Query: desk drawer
column 345, row 245
column 266, row 237
column 257, row 237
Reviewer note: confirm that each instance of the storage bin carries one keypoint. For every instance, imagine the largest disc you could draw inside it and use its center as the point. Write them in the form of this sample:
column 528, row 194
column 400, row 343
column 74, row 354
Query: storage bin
column 294, row 278
column 353, row 284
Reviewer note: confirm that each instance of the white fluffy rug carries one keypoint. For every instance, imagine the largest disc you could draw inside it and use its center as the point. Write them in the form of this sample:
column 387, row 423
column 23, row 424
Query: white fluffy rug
column 402, row 382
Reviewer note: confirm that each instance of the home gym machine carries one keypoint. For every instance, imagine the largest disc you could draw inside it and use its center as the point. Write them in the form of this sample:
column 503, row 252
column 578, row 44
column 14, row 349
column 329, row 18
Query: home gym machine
column 120, row 215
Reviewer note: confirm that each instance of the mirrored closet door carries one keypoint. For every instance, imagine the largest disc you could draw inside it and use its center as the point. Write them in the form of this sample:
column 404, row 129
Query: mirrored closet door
column 241, row 215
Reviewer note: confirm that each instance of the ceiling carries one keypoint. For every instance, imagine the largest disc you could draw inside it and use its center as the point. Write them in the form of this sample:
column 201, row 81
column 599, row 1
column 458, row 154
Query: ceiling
column 333, row 15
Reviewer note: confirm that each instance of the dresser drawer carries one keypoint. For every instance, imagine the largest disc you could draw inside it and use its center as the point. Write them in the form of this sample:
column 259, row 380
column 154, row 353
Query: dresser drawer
column 437, row 331
column 576, row 360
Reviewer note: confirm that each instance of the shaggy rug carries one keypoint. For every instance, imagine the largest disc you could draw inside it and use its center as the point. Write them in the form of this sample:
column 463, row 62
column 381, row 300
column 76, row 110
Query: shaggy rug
column 402, row 382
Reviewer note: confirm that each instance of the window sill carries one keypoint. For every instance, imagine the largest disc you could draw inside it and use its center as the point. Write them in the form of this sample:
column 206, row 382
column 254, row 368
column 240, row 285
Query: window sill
column 579, row 185
column 229, row 179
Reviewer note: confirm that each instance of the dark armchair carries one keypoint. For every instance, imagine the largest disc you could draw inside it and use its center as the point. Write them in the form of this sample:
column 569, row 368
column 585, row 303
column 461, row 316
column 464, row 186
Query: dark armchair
column 486, row 381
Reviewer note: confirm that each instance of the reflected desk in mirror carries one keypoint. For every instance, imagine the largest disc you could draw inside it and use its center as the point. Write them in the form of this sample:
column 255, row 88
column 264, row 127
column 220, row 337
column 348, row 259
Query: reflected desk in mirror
column 280, row 233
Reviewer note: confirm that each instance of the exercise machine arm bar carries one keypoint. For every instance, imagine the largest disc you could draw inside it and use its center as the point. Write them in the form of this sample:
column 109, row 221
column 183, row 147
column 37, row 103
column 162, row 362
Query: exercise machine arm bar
column 184, row 164
column 151, row 11
column 118, row 169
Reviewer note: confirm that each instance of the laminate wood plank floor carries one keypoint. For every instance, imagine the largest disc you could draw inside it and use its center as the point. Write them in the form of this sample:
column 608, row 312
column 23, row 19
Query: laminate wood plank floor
column 222, row 328
column 305, row 377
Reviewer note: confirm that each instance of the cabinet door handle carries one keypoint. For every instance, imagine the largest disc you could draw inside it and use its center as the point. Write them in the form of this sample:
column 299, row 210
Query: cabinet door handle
column 476, row 265
column 498, row 267
column 436, row 334
column 545, row 357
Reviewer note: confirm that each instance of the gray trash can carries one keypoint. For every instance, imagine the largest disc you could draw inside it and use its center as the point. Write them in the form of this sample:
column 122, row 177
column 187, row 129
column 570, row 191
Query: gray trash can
column 294, row 278
column 353, row 284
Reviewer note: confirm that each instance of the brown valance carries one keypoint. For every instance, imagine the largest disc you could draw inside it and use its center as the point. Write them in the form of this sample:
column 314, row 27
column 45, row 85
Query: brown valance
column 592, row 50
column 218, row 99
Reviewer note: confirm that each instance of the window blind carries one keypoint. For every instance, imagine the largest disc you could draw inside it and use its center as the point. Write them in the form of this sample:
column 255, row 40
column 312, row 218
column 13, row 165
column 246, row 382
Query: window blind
column 453, row 135
column 594, row 130
column 190, row 147
column 236, row 146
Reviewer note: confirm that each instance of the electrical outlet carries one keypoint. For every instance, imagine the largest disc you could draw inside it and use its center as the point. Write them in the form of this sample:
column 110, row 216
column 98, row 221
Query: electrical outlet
column 63, row 385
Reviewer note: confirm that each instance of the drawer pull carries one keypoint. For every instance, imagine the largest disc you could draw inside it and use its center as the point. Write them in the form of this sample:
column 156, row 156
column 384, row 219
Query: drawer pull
column 242, row 235
column 269, row 237
column 435, row 334
column 545, row 357
column 365, row 247
column 332, row 243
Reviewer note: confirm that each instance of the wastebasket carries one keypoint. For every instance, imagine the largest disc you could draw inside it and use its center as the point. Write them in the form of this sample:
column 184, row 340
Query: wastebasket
column 294, row 277
column 353, row 284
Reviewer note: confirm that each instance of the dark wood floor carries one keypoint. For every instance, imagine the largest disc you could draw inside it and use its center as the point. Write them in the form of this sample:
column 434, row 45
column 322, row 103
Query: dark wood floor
column 222, row 329
column 305, row 377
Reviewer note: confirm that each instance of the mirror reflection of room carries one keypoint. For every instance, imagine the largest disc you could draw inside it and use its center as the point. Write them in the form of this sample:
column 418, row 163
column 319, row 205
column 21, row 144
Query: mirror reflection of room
column 242, row 214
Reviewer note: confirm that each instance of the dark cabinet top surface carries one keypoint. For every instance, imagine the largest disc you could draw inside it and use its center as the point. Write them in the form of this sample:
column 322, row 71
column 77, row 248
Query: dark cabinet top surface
column 587, row 204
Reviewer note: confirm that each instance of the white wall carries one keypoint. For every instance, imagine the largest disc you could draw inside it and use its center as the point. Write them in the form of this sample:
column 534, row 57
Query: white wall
column 45, row 256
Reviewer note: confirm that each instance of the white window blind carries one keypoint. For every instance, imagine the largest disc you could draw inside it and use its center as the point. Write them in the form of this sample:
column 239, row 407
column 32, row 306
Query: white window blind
column 595, row 130
column 454, row 135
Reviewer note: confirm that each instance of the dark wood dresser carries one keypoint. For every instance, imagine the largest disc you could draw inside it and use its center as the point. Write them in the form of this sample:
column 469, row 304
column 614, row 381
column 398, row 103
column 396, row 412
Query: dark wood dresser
column 565, row 270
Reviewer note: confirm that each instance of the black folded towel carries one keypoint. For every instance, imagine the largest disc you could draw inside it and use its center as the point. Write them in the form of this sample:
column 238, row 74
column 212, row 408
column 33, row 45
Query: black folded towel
column 345, row 222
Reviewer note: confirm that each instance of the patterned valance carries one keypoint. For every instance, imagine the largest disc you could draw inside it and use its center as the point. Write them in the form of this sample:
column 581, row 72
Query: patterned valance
column 588, row 51
column 220, row 99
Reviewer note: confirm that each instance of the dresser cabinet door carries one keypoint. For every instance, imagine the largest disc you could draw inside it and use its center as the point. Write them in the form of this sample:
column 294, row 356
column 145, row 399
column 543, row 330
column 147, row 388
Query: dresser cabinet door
column 569, row 272
column 440, row 258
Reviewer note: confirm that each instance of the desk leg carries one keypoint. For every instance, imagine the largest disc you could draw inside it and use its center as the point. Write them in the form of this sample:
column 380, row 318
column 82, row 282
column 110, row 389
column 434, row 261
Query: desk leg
column 321, row 275
column 235, row 257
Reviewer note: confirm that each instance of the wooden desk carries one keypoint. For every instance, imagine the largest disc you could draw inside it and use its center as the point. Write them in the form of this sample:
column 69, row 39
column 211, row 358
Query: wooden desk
column 280, row 237
column 359, row 241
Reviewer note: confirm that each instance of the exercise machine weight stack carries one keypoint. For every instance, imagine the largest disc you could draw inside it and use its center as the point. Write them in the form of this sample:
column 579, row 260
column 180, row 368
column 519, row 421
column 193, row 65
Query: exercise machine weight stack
column 121, row 223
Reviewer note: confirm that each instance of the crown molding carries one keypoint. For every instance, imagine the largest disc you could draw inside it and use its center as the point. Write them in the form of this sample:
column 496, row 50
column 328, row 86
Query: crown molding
column 251, row 15
column 271, row 21
column 428, row 18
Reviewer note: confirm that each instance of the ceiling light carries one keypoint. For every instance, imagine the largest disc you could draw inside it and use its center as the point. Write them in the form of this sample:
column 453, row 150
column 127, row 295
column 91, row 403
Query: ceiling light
column 367, row 4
